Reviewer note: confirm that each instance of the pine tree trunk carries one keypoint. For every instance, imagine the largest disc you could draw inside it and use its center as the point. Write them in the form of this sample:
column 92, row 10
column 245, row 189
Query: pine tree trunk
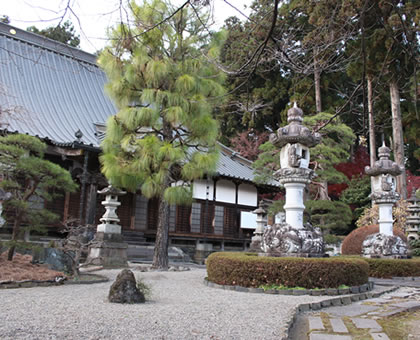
column 397, row 135
column 317, row 79
column 160, row 256
column 323, row 191
column 15, row 234
column 372, row 140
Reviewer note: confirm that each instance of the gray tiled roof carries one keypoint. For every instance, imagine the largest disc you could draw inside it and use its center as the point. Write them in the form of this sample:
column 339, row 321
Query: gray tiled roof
column 57, row 90
column 53, row 89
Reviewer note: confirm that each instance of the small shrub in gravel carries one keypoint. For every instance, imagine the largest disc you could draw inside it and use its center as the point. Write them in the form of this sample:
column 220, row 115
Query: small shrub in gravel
column 248, row 270
column 352, row 244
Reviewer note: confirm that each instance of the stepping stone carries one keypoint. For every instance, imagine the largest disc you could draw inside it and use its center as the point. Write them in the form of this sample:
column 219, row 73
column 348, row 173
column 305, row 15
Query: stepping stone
column 379, row 336
column 315, row 322
column 351, row 310
column 407, row 304
column 338, row 326
column 323, row 336
column 366, row 323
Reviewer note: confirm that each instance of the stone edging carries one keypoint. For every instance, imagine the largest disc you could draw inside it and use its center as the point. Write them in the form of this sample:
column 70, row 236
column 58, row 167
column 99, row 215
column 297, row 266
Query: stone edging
column 345, row 300
column 59, row 281
column 314, row 292
column 101, row 279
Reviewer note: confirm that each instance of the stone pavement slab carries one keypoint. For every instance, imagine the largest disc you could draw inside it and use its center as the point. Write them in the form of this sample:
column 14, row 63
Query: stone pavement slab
column 315, row 322
column 338, row 326
column 354, row 309
column 407, row 304
column 366, row 323
column 379, row 336
column 323, row 336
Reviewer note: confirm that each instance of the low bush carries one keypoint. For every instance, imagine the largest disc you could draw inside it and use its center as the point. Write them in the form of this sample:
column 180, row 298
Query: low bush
column 388, row 268
column 352, row 244
column 248, row 270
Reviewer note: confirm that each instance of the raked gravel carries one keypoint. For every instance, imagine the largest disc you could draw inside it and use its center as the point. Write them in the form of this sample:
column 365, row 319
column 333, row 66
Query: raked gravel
column 181, row 307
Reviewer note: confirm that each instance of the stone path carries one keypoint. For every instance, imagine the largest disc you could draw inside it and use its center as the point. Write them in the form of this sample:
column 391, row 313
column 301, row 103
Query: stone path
column 368, row 319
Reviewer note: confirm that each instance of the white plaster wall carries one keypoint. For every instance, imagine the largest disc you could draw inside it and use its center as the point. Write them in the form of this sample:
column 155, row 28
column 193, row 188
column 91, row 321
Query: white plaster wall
column 247, row 195
column 225, row 191
column 200, row 189
column 248, row 220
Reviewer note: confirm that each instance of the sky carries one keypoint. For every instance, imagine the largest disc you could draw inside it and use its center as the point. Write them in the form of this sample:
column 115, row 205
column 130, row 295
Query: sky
column 92, row 17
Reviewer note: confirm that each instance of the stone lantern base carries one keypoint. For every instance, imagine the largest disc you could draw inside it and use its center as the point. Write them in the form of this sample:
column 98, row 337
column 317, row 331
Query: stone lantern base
column 384, row 246
column 281, row 239
column 108, row 250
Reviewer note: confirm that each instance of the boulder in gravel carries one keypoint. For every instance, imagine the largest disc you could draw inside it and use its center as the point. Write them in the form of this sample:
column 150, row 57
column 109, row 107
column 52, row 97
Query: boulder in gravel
column 124, row 289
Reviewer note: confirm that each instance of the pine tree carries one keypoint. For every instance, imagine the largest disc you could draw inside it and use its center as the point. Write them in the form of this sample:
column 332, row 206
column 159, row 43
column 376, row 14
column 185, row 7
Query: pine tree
column 64, row 33
column 31, row 180
column 165, row 86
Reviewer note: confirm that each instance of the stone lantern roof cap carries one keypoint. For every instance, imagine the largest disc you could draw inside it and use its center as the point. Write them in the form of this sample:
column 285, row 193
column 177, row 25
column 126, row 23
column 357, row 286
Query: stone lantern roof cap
column 295, row 132
column 384, row 165
column 111, row 190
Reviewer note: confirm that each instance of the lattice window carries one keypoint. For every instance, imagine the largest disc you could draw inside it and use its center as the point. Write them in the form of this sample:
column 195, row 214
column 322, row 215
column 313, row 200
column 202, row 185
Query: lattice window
column 219, row 213
column 230, row 225
column 183, row 214
column 207, row 217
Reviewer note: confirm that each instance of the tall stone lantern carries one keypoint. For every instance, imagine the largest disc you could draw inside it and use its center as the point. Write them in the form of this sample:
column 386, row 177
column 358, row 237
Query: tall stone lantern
column 413, row 218
column 108, row 248
column 293, row 237
column 383, row 194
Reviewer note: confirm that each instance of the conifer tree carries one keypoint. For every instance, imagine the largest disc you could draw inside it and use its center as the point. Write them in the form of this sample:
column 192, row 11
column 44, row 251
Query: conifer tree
column 165, row 85
column 29, row 179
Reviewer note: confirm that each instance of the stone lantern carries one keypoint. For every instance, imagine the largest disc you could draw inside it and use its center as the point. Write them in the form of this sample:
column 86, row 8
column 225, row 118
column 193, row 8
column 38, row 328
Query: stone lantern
column 259, row 230
column 383, row 194
column 293, row 237
column 108, row 248
column 413, row 218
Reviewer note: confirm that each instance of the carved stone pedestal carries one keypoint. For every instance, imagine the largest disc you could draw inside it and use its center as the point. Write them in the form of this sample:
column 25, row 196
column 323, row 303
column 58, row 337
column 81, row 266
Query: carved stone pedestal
column 108, row 250
column 282, row 239
column 384, row 246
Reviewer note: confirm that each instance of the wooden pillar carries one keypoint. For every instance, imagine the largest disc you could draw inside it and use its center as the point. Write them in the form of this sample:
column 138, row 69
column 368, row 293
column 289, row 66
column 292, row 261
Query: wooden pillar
column 83, row 187
column 66, row 207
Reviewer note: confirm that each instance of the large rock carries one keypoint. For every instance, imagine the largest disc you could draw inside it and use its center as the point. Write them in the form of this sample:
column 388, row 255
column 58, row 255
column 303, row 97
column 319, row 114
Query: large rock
column 282, row 239
column 124, row 289
column 55, row 259
column 380, row 245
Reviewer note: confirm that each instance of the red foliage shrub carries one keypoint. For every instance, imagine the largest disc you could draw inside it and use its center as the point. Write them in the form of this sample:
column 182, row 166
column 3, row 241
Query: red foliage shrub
column 249, row 270
column 350, row 169
column 352, row 244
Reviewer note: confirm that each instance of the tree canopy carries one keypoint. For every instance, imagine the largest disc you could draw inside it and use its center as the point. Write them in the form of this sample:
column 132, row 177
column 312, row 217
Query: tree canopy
column 64, row 32
column 165, row 85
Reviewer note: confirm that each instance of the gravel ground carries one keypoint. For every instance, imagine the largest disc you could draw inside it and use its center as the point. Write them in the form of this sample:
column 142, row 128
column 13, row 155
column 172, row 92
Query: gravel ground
column 181, row 307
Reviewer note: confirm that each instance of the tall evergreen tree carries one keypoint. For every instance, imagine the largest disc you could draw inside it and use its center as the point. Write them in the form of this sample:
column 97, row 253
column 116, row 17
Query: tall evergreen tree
column 31, row 180
column 165, row 85
column 64, row 32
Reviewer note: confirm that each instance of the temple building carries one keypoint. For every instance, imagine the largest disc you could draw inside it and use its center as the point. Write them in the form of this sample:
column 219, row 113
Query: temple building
column 56, row 92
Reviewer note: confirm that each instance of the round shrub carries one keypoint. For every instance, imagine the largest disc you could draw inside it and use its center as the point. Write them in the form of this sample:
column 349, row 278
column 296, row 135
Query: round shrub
column 249, row 270
column 388, row 268
column 352, row 244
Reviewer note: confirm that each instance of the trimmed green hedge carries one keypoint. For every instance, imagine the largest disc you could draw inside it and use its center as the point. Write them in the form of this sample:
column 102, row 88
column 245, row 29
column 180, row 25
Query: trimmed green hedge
column 249, row 270
column 388, row 268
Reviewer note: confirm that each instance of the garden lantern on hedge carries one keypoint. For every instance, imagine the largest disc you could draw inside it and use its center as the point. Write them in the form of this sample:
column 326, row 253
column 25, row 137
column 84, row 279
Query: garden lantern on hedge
column 384, row 173
column 293, row 237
